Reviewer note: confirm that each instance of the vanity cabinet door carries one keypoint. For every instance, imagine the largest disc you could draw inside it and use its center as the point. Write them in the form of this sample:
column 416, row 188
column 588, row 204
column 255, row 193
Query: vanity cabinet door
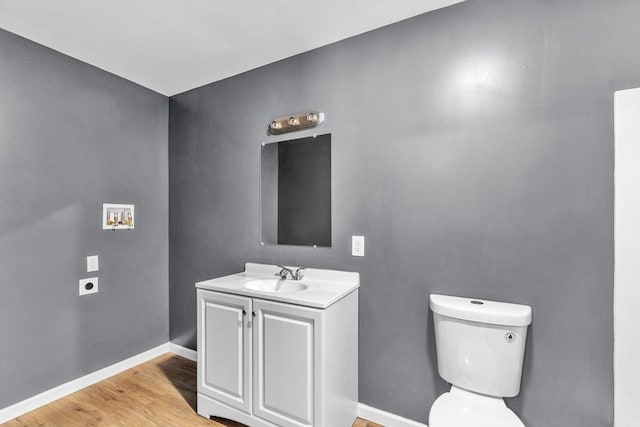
column 286, row 366
column 224, row 348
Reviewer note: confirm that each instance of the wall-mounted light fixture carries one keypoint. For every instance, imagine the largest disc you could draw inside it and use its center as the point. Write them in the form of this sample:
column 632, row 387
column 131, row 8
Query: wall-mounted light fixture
column 295, row 122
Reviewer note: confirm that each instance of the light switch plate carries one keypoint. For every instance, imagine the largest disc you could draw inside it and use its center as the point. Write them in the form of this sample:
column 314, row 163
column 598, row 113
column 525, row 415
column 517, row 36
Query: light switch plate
column 92, row 263
column 357, row 245
column 88, row 286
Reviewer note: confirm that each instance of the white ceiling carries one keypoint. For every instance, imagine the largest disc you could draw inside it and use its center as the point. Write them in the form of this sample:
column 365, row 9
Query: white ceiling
column 172, row 46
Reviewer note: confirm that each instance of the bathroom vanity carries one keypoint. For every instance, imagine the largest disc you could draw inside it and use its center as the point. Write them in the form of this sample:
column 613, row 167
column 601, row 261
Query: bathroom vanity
column 279, row 353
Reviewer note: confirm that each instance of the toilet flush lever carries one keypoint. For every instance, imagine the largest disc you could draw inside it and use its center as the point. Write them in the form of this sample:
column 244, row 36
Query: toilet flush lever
column 510, row 337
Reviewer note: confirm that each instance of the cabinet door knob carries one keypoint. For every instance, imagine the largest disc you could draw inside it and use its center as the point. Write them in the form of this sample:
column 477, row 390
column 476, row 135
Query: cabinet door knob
column 253, row 313
column 244, row 312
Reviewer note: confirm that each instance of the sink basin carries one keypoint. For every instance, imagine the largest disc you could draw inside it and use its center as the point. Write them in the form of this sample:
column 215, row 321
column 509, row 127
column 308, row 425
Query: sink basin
column 274, row 285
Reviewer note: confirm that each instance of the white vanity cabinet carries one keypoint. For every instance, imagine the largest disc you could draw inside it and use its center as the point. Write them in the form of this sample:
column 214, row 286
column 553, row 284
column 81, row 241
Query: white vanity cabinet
column 267, row 363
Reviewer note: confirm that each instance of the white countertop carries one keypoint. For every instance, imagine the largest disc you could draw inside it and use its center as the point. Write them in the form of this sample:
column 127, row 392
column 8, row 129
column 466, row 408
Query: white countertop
column 324, row 287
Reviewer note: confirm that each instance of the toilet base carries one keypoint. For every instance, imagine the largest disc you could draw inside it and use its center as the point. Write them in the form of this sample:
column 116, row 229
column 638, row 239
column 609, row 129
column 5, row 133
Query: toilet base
column 462, row 408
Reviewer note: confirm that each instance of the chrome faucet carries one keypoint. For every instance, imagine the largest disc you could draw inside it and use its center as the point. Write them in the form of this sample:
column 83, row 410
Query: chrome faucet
column 287, row 273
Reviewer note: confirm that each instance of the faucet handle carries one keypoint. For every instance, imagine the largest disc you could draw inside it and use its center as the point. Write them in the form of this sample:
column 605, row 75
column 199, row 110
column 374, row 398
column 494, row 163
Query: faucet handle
column 298, row 274
column 284, row 272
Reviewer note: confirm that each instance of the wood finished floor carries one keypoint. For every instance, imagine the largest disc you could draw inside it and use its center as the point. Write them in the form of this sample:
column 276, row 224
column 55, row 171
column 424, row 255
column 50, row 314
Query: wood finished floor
column 161, row 392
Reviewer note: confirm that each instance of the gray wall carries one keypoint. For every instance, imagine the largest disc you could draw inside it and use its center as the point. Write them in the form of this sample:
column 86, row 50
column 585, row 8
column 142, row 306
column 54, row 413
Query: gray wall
column 473, row 147
column 72, row 137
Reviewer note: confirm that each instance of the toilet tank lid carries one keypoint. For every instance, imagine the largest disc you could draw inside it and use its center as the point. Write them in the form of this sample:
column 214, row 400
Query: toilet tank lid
column 480, row 310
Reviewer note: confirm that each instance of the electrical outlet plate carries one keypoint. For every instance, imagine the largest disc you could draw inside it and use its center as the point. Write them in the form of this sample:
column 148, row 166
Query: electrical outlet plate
column 92, row 263
column 88, row 286
column 357, row 245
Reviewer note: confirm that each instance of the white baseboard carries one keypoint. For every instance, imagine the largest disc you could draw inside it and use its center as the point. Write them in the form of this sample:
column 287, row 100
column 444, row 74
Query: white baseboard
column 386, row 419
column 20, row 408
column 367, row 412
column 183, row 351
column 378, row 416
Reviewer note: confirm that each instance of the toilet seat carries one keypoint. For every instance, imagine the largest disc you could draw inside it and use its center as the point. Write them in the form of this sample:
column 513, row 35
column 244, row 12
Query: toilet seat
column 461, row 408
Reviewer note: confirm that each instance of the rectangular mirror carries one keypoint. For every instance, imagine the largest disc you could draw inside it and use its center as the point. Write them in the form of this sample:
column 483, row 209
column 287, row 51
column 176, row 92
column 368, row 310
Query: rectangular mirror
column 295, row 191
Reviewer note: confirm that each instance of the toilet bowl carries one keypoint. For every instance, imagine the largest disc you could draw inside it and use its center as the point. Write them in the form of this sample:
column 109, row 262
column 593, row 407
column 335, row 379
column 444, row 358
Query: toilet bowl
column 480, row 348
column 461, row 408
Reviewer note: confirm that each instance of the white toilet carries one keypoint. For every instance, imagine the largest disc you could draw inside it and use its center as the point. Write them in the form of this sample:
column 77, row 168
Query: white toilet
column 480, row 346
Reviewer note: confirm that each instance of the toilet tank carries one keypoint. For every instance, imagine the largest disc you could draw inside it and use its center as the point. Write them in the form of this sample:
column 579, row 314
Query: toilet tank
column 480, row 344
